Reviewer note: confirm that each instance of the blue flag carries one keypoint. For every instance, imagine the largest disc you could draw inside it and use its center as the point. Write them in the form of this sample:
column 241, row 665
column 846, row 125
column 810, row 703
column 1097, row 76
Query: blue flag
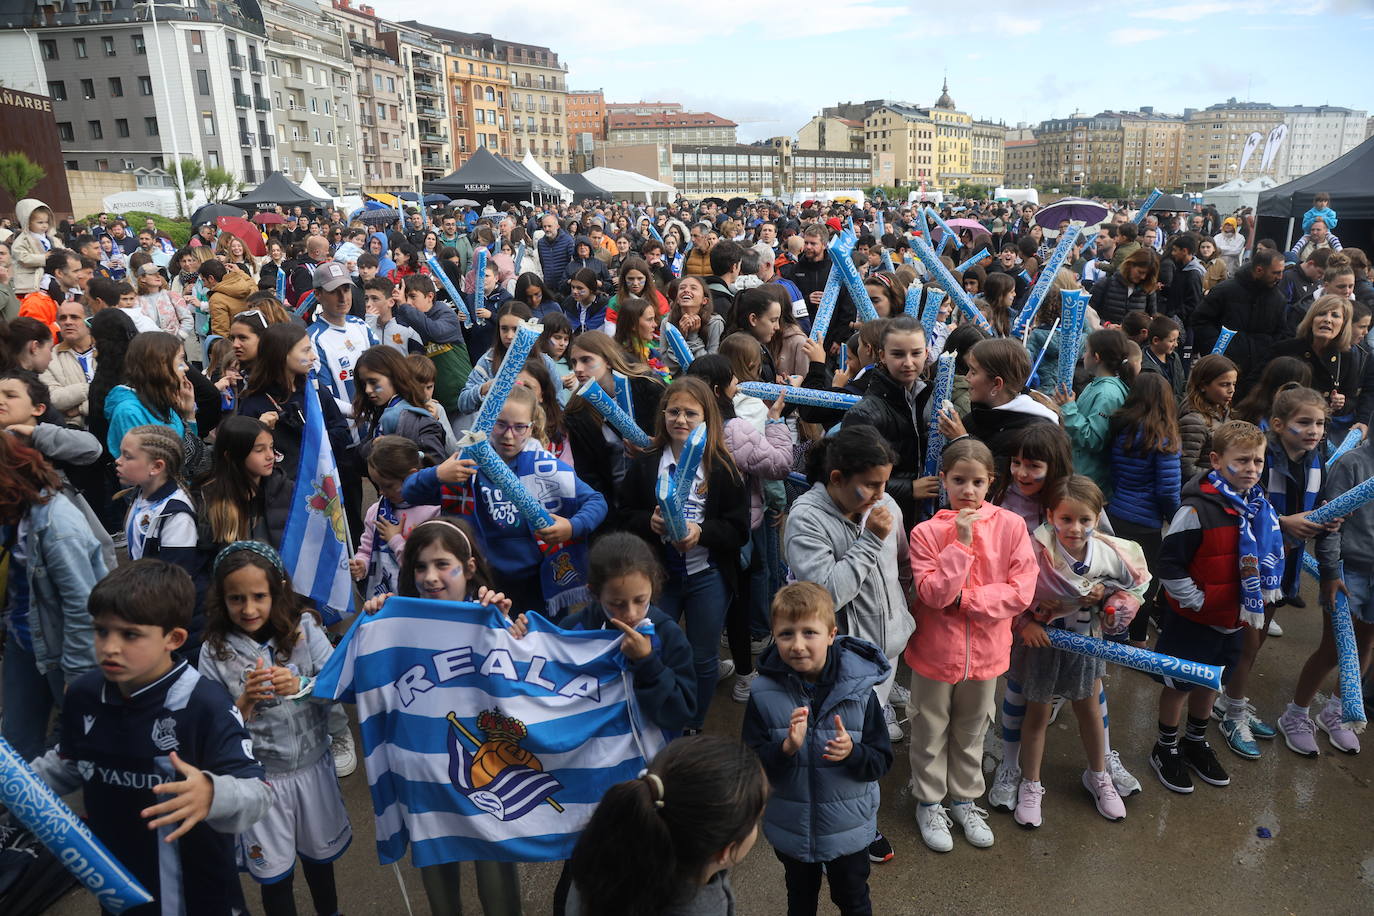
column 480, row 746
column 315, row 544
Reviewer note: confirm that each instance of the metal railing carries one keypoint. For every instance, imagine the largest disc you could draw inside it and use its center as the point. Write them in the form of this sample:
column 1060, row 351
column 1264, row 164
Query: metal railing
column 242, row 100
column 247, row 138
column 238, row 61
column 262, row 103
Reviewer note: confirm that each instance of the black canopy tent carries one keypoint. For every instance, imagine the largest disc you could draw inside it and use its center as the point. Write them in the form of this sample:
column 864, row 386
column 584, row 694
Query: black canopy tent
column 582, row 188
column 541, row 187
column 277, row 190
column 1350, row 182
column 486, row 177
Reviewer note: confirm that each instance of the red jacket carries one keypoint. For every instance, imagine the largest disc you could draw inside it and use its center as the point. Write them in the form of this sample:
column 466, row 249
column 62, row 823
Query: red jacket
column 967, row 597
column 1199, row 561
column 39, row 305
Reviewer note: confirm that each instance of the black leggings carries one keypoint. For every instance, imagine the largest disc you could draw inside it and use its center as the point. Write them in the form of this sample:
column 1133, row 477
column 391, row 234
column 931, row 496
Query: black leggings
column 278, row 898
column 1151, row 540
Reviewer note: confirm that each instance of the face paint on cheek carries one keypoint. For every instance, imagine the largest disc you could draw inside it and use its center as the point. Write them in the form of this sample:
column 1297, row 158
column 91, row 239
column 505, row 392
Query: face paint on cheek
column 1235, row 471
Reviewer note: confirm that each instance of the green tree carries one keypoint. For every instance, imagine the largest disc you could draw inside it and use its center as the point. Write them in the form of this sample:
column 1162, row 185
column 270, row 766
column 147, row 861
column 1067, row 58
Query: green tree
column 191, row 172
column 219, row 185
column 1105, row 189
column 19, row 174
column 971, row 191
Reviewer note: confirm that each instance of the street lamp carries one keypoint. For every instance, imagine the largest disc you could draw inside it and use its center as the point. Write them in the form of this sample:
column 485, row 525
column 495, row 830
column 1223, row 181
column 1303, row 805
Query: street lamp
column 151, row 7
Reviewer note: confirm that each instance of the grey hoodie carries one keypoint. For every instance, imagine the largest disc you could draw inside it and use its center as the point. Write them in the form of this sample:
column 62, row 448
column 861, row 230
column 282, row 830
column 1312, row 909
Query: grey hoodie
column 1349, row 544
column 869, row 578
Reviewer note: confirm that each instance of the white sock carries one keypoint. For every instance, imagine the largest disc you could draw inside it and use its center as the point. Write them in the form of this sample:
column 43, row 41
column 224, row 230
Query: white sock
column 1297, row 710
column 1235, row 708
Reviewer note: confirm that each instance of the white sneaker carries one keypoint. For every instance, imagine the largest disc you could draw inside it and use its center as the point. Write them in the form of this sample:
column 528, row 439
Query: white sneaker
column 743, row 684
column 934, row 822
column 894, row 728
column 1275, row 630
column 1056, row 704
column 758, row 644
column 345, row 757
column 1007, row 780
column 1126, row 784
column 899, row 696
column 974, row 820
column 727, row 668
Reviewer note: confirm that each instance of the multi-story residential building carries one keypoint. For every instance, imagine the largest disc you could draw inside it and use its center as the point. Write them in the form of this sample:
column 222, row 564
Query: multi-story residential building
column 988, row 154
column 423, row 59
column 311, row 73
column 953, row 142
column 1023, row 163
column 812, row 170
column 1214, row 140
column 1316, row 135
column 824, row 132
column 121, row 105
column 1151, row 150
column 379, row 87
column 643, row 108
column 906, row 134
column 586, row 125
column 682, row 129
column 1079, row 150
column 479, row 92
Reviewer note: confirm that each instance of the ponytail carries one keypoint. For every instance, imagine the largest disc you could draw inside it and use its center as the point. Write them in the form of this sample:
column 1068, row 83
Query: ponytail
column 1109, row 346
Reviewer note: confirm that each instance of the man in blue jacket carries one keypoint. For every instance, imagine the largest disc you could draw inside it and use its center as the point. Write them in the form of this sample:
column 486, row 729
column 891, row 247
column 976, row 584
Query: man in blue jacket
column 555, row 251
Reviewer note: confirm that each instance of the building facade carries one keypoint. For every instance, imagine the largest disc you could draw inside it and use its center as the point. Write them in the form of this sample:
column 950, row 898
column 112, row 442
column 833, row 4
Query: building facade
column 1214, row 140
column 1023, row 163
column 479, row 102
column 643, row 108
column 988, row 154
column 1151, row 151
column 1316, row 135
column 539, row 85
column 908, row 136
column 586, row 126
column 379, row 86
column 683, row 129
column 1079, row 150
column 120, row 105
column 953, row 142
column 832, row 134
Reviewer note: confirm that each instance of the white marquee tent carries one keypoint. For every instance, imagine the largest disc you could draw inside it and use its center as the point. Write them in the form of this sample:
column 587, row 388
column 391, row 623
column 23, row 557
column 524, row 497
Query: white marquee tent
column 1237, row 193
column 565, row 193
column 622, row 183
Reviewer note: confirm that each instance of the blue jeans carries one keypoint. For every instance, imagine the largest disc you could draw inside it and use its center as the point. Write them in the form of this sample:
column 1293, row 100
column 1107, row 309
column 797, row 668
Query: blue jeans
column 704, row 597
column 29, row 700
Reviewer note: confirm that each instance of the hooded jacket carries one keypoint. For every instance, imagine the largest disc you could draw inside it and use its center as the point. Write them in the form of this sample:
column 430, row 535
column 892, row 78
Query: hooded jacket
column 885, row 407
column 1112, row 299
column 998, row 426
column 124, row 410
column 228, row 298
column 26, row 252
column 759, row 456
column 1251, row 308
column 967, row 596
column 1087, row 420
column 869, row 577
column 597, row 266
column 818, row 809
column 1183, row 294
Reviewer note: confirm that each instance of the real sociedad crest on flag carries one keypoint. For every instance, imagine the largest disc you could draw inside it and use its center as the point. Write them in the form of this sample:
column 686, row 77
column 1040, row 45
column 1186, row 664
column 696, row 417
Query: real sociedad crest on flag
column 498, row 776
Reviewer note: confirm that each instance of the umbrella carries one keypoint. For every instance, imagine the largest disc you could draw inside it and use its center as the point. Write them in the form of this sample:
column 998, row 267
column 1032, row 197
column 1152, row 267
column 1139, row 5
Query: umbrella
column 1073, row 209
column 244, row 230
column 719, row 202
column 436, row 199
column 971, row 224
column 463, row 202
column 1172, row 203
column 376, row 215
column 211, row 212
column 268, row 219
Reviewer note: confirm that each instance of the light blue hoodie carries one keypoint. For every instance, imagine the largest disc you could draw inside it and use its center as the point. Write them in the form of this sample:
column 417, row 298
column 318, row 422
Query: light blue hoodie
column 125, row 410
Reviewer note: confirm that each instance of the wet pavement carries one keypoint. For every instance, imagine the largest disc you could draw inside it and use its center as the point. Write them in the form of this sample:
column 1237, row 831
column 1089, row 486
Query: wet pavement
column 1200, row 853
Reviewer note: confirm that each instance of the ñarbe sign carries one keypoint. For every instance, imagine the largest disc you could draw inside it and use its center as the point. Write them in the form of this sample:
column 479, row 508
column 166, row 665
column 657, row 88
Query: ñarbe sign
column 27, row 126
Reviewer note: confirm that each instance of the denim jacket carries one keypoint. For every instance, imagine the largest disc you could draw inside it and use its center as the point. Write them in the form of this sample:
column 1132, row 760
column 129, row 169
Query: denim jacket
column 64, row 561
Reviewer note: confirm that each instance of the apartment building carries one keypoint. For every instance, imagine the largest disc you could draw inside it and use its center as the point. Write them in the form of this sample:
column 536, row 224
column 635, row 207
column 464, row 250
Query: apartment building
column 379, row 86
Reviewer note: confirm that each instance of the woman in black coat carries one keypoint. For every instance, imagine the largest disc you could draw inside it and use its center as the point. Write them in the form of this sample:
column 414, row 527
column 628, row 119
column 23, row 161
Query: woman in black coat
column 1131, row 288
column 1324, row 342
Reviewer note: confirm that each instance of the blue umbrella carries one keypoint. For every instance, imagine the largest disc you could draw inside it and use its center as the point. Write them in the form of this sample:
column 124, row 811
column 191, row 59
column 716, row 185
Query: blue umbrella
column 1074, row 209
column 436, row 199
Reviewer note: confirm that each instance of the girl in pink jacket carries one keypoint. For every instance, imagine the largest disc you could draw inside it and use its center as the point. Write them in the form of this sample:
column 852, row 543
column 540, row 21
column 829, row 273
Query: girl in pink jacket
column 974, row 572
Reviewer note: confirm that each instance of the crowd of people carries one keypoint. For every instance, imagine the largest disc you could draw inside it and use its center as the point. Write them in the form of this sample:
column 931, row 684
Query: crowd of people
column 853, row 596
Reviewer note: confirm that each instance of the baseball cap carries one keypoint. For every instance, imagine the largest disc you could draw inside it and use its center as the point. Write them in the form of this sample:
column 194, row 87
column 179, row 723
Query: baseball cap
column 330, row 275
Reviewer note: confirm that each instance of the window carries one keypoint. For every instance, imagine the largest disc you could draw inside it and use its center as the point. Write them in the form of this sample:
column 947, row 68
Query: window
column 203, row 82
column 145, row 85
column 107, row 42
column 207, row 123
column 139, row 46
column 314, row 107
column 197, row 41
column 80, row 45
column 212, row 159
column 491, row 94
column 58, row 90
column 102, row 165
column 276, row 100
column 316, row 134
column 97, row 132
column 122, row 127
column 390, row 84
column 88, row 89
column 71, row 165
column 65, row 132
column 150, row 124
column 49, row 48
column 116, row 87
column 326, row 106
column 329, row 137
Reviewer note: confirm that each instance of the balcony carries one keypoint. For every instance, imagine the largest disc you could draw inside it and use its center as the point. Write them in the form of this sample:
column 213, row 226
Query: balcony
column 515, row 103
column 262, row 103
column 266, row 141
column 432, row 137
column 293, row 113
column 242, row 100
column 420, row 63
column 237, row 61
column 432, row 162
column 427, row 88
column 247, row 138
column 255, row 66
column 557, row 108
column 367, row 120
column 428, row 111
column 364, row 87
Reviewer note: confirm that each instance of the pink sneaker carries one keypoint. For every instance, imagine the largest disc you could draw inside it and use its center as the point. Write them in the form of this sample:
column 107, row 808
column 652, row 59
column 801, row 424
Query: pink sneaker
column 1109, row 803
column 1329, row 720
column 1028, row 797
column 1299, row 733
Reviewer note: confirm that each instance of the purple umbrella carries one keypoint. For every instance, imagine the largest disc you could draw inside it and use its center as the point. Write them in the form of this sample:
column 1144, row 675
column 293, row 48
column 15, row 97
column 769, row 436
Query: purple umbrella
column 1073, row 209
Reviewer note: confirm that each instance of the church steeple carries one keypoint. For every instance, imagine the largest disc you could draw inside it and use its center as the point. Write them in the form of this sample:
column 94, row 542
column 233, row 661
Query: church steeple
column 944, row 101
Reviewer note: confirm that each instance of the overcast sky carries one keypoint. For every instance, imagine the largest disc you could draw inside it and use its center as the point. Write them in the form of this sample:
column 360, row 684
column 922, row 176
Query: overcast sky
column 771, row 66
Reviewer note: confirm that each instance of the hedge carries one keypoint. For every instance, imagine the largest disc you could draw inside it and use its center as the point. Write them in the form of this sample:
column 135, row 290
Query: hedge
column 178, row 230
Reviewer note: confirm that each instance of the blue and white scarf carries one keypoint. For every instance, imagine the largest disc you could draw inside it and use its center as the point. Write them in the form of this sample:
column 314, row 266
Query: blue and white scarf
column 1261, row 549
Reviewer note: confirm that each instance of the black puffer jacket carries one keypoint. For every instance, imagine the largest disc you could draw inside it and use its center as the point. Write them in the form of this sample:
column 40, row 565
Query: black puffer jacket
column 885, row 407
column 1112, row 299
column 1251, row 308
column 592, row 263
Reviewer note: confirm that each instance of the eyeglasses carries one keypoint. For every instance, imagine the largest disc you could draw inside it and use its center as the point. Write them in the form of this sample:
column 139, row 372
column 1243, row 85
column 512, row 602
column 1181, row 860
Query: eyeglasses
column 520, row 429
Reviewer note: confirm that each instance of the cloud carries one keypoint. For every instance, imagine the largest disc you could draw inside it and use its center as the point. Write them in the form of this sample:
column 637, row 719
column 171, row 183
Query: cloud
column 1188, row 12
column 1014, row 25
column 1134, row 36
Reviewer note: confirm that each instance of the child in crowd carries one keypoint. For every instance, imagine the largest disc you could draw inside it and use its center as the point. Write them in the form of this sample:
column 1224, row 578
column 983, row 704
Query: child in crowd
column 31, row 246
column 509, row 318
column 1160, row 354
column 1321, row 209
column 695, row 811
column 1000, row 408
column 637, row 333
column 554, row 341
column 266, row 652
column 817, row 725
column 441, row 333
column 974, row 571
column 390, row 519
column 163, row 760
column 1221, row 563
column 422, row 369
column 390, row 402
column 381, row 297
column 1207, row 405
column 1087, row 416
column 1092, row 584
column 248, row 494
column 692, row 313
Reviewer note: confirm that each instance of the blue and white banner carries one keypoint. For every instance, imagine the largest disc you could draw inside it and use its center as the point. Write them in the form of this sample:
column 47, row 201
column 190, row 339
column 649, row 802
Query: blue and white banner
column 315, row 544
column 480, row 746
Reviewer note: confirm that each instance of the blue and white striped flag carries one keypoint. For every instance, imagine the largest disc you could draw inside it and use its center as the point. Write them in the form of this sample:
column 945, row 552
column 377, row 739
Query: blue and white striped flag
column 315, row 543
column 480, row 746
